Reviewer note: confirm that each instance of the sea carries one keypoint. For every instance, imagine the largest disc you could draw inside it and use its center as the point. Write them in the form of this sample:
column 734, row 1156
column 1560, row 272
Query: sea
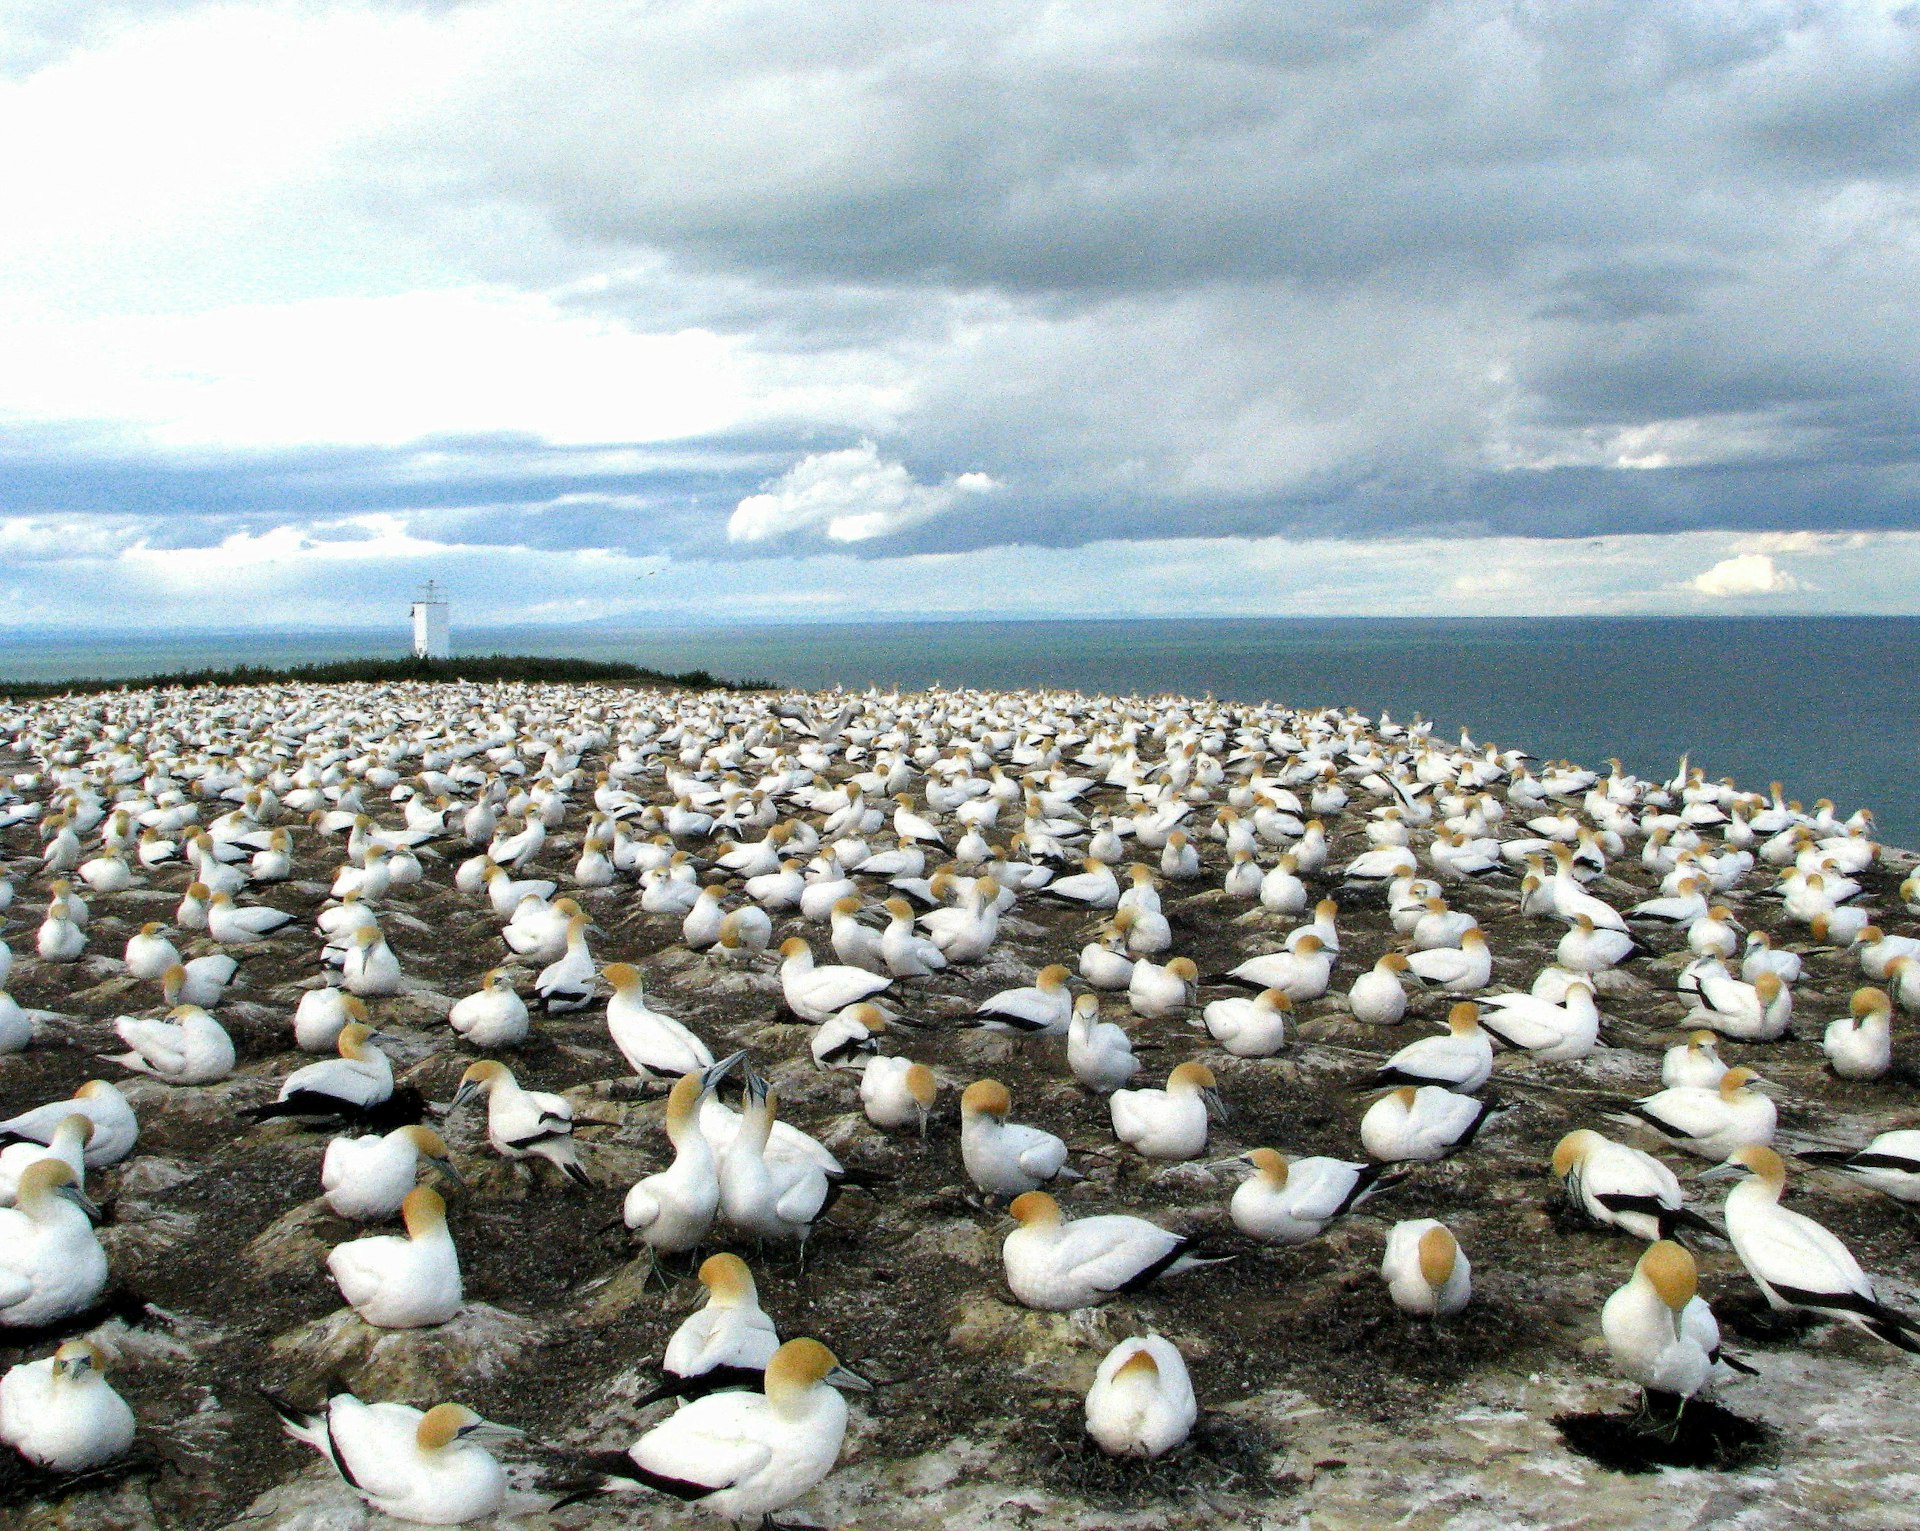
column 1829, row 706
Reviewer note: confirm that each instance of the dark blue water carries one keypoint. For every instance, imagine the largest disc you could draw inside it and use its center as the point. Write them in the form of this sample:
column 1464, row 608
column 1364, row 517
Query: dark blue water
column 1829, row 706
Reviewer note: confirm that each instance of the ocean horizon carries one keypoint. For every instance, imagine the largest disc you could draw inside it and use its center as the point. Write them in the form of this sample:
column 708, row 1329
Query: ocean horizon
column 1823, row 704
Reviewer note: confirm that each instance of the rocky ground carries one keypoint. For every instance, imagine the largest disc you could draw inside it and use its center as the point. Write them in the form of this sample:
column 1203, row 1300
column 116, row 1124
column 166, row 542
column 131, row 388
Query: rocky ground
column 1321, row 1404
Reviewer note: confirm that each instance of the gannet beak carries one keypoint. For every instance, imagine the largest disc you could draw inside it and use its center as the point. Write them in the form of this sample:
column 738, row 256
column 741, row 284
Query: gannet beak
column 1237, row 1162
column 1216, row 1107
column 840, row 1376
column 461, row 1096
column 1728, row 1171
column 487, row 1430
column 84, row 1202
column 710, row 1080
column 446, row 1167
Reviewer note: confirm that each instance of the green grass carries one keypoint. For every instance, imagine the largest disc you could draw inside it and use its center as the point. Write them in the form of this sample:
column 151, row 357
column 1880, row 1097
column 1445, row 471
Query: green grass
column 475, row 667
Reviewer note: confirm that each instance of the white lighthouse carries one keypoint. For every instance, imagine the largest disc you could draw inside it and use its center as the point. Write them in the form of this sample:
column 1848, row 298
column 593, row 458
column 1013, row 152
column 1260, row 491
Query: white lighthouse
column 430, row 624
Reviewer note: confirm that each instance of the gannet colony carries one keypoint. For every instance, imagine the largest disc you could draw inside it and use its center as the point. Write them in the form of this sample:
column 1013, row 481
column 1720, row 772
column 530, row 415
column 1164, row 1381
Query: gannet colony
column 601, row 1107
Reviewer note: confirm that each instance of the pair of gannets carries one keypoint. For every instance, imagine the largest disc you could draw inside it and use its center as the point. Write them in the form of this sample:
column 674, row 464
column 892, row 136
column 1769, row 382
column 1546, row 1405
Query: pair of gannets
column 431, row 1468
column 61, row 1413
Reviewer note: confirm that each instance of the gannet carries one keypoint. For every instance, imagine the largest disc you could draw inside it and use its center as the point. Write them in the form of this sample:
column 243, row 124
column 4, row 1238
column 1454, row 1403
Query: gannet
column 745, row 1455
column 1378, row 998
column 853, row 943
column 68, row 1144
column 370, row 968
column 430, row 1468
column 1055, row 1265
column 522, row 1123
column 367, row 1179
column 1860, row 1045
column 1170, row 1123
column 1552, row 1032
column 232, row 925
column 351, row 1085
column 1099, row 1053
column 673, row 1208
column 201, row 981
column 1712, row 1123
column 61, row 1413
column 1429, row 1122
column 403, row 1283
column 189, row 1047
column 1301, row 971
column 656, row 1046
column 1104, row 962
column 905, row 952
column 1757, row 1012
column 1694, row 1062
column 493, row 1015
column 1006, row 1158
column 815, row 993
column 1141, row 1403
column 322, row 1015
column 1796, row 1262
column 897, row 1092
column 149, row 953
column 965, row 933
column 767, row 1197
column 60, row 938
column 1644, row 1329
column 1042, row 1010
column 850, row 1039
column 1461, row 1060
column 1291, row 1203
column 1249, row 1028
column 567, row 982
column 1890, row 1163
column 1623, row 1187
column 1426, row 1271
column 1586, row 948
column 51, row 1263
column 725, row 1344
column 1458, row 970
column 1157, row 992
column 115, row 1128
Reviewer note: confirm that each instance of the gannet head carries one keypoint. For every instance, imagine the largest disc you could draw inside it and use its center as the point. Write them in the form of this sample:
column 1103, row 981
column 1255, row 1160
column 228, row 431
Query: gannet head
column 794, row 946
column 1572, row 1150
column 986, row 1097
column 1393, row 962
column 446, row 1424
column 1671, row 1272
column 424, row 1211
column 45, row 1179
column 1871, row 1001
column 1439, row 1250
column 479, row 1079
column 921, row 1085
column 799, row 1366
column 728, row 1281
column 1463, row 1019
column 624, row 977
column 78, row 1358
column 1035, row 1209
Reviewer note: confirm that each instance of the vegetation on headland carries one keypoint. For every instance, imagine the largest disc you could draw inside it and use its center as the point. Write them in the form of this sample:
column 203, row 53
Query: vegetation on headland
column 467, row 667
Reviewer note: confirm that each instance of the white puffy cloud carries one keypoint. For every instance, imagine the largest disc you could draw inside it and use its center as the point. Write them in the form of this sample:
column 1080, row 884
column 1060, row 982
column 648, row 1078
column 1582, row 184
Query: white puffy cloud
column 853, row 495
column 1744, row 574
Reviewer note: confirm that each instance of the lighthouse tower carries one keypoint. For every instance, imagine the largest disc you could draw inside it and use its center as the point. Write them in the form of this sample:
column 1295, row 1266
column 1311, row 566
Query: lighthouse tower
column 430, row 624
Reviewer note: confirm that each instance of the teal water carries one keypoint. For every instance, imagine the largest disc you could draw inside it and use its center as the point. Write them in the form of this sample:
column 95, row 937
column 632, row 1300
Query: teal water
column 1829, row 706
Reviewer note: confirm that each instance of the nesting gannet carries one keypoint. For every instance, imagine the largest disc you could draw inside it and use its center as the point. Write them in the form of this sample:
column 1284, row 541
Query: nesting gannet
column 149, row 953
column 1055, row 1265
column 522, row 1123
column 815, row 993
column 1301, row 972
column 351, row 1085
column 673, row 1208
column 370, row 969
column 898, row 1092
column 1170, row 1123
column 201, row 981
column 51, row 1263
column 1694, row 1062
column 1586, row 948
column 1554, row 1033
column 493, row 1015
column 61, row 1413
column 906, row 953
column 60, row 937
column 724, row 1344
column 1644, row 1329
column 367, row 1179
column 1291, row 1203
column 232, row 925
column 1141, row 1403
column 745, row 1455
column 115, row 1128
column 1006, row 1158
column 1623, row 1187
column 1099, row 1053
column 403, row 1283
column 1378, row 997
column 1457, row 969
column 567, row 982
column 1428, row 1122
column 655, row 1045
column 1763, row 957
column 1860, row 1045
column 1425, row 1269
column 322, row 1015
column 1796, row 1262
column 189, row 1047
column 1760, row 1011
column 68, row 1144
column 1712, row 1123
column 1890, row 1163
column 432, row 1468
column 1462, row 1060
column 1042, row 1010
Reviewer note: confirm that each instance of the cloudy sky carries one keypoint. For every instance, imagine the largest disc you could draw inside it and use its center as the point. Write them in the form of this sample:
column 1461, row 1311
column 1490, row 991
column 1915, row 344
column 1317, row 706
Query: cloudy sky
column 698, row 309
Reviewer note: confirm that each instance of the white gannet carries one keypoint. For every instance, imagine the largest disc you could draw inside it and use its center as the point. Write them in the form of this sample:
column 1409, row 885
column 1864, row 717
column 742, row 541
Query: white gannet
column 906, row 953
column 149, row 953
column 201, row 981
column 68, row 1144
column 1642, row 1323
column 1586, row 948
column 367, row 1179
column 1554, row 1033
column 409, row 1282
column 1378, row 997
column 1426, row 1271
column 61, row 1413
column 1006, row 1158
column 1457, row 969
column 724, row 1344
column 767, row 1197
column 1622, row 1187
column 567, row 982
column 357, row 1081
column 493, row 1015
column 745, row 1455
column 432, row 1468
column 1156, row 992
column 1428, row 1122
column 60, row 938
column 1041, row 1010
column 51, row 1263
column 189, row 1047
column 1055, row 1265
column 1099, row 1053
column 322, row 1015
column 673, row 1208
column 16, row 1026
column 1860, row 1045
column 898, row 1092
column 523, row 1123
column 370, row 968
column 1890, row 1163
column 1461, row 1060
column 1712, row 1123
column 1170, row 1123
column 1249, row 1028
column 854, row 943
column 1760, row 1011
column 115, row 1128
column 1141, row 1403
column 232, row 925
column 1300, row 972
column 850, row 1039
column 1796, row 1262
column 1291, row 1203
column 1695, row 1062
column 1104, row 962
column 815, row 993
column 655, row 1045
